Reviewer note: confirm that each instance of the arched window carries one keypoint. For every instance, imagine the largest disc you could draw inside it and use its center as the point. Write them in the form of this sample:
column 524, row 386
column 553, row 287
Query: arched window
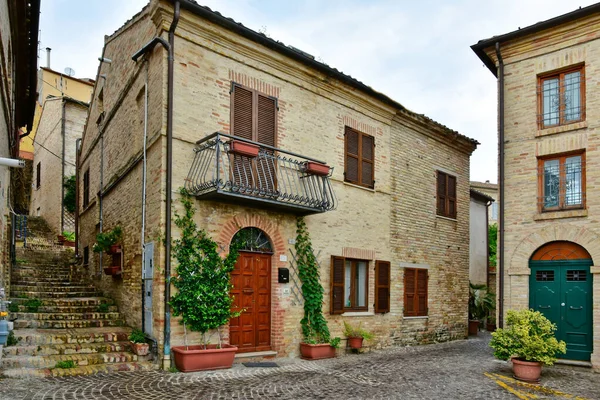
column 252, row 239
column 560, row 250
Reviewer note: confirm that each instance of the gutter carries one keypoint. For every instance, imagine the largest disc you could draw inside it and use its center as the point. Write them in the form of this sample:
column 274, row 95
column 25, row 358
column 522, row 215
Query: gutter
column 77, row 166
column 62, row 186
column 169, row 179
column 500, row 251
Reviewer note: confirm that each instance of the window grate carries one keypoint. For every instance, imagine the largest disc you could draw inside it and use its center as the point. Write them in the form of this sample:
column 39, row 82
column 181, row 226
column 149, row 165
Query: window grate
column 576, row 276
column 544, row 276
column 562, row 183
column 561, row 98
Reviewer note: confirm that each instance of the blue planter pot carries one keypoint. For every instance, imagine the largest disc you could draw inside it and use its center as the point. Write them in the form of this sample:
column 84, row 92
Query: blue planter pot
column 3, row 331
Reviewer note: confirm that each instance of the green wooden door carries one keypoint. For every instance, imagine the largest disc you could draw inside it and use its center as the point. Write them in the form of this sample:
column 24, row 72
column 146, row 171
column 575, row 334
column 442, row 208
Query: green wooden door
column 562, row 291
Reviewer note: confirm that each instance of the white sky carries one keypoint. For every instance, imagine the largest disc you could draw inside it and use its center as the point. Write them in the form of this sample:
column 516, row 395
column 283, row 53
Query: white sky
column 416, row 52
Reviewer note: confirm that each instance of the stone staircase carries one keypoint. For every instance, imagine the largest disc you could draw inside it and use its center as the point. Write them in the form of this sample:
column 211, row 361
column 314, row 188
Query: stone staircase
column 74, row 326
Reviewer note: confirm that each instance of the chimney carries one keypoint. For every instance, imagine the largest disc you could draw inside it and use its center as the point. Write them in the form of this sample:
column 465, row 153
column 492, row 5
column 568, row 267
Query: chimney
column 48, row 50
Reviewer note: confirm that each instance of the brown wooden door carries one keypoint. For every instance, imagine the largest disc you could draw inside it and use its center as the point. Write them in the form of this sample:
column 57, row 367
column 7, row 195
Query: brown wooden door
column 251, row 280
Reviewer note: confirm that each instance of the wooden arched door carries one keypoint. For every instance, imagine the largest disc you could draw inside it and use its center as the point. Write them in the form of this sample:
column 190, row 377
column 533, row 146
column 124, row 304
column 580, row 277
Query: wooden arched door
column 560, row 287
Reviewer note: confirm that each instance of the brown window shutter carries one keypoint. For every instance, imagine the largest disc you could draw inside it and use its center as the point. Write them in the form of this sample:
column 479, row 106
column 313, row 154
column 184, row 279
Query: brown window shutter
column 367, row 167
column 382, row 286
column 421, row 308
column 451, row 196
column 410, row 289
column 337, row 285
column 352, row 155
column 266, row 121
column 242, row 112
column 441, row 193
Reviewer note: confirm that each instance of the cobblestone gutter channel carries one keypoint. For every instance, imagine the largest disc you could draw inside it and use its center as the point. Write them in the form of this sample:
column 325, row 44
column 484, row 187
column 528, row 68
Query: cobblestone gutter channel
column 455, row 370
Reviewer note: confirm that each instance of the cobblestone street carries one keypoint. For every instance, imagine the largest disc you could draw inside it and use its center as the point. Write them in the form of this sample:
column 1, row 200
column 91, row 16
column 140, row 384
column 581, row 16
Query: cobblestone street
column 457, row 370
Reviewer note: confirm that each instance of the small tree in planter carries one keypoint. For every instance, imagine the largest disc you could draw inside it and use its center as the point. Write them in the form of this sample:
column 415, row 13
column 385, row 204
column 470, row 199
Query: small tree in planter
column 481, row 302
column 529, row 341
column 202, row 299
column 317, row 341
column 106, row 241
column 356, row 335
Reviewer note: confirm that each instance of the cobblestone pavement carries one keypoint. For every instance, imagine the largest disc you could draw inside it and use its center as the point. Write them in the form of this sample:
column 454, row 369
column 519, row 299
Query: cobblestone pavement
column 455, row 370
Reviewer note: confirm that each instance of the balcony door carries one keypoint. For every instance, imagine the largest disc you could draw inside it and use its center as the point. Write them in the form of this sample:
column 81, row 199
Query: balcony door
column 254, row 117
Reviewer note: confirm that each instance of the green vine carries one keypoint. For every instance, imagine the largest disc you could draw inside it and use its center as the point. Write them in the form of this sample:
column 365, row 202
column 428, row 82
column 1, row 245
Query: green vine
column 70, row 194
column 314, row 325
column 202, row 280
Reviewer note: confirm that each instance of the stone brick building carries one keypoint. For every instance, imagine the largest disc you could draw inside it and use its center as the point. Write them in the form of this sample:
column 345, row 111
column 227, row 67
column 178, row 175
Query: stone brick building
column 59, row 127
column 548, row 122
column 401, row 203
column 489, row 189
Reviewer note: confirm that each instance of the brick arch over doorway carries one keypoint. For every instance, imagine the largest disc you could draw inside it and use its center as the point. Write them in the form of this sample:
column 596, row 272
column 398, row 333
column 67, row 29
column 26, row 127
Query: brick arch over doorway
column 590, row 241
column 561, row 250
column 231, row 227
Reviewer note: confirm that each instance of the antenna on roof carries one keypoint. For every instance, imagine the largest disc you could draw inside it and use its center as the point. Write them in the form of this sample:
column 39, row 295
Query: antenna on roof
column 69, row 71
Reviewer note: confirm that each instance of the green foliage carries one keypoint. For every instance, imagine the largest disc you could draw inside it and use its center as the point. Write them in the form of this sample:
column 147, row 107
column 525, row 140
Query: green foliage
column 70, row 187
column 529, row 336
column 202, row 281
column 493, row 243
column 65, row 364
column 173, row 370
column 13, row 307
column 335, row 342
column 11, row 340
column 137, row 336
column 481, row 301
column 33, row 305
column 70, row 236
column 106, row 239
column 314, row 325
column 103, row 308
column 356, row 332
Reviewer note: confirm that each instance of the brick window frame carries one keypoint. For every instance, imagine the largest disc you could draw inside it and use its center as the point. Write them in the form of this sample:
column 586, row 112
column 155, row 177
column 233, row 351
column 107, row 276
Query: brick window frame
column 547, row 118
column 359, row 158
column 546, row 202
column 446, row 194
column 416, row 292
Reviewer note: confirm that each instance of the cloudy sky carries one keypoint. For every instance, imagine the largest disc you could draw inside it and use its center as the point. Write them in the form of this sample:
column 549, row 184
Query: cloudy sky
column 416, row 52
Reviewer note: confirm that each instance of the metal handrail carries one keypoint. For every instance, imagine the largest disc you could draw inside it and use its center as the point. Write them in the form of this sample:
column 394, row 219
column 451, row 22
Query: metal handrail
column 274, row 175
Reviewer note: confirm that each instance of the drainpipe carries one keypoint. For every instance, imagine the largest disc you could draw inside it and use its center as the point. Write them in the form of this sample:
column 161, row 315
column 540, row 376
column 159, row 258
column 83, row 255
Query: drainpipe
column 169, row 179
column 77, row 158
column 62, row 192
column 500, row 251
column 100, row 197
column 143, row 233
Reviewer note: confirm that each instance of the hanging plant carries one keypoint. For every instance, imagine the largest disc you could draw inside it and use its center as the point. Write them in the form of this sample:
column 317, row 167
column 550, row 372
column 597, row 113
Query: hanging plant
column 202, row 277
column 314, row 324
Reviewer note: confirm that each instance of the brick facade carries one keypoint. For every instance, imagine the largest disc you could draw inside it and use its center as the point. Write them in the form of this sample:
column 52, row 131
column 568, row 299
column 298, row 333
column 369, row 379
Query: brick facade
column 396, row 221
column 526, row 228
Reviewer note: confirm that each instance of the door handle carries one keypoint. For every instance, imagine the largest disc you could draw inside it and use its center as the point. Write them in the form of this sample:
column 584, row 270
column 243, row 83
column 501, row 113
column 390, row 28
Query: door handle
column 544, row 307
column 576, row 308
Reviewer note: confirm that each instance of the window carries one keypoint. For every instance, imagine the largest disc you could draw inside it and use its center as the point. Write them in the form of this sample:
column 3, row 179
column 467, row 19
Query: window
column 446, row 195
column 38, row 175
column 494, row 211
column 561, row 98
column 86, row 255
column 86, row 188
column 561, row 182
column 359, row 166
column 415, row 292
column 349, row 285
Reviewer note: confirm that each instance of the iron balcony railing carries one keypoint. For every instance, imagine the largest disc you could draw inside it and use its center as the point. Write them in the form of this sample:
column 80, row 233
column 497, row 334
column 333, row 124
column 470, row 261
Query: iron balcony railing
column 230, row 168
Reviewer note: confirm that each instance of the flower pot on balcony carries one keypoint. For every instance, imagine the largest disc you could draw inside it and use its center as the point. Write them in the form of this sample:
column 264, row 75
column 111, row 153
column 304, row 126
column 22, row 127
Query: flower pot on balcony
column 112, row 270
column 115, row 248
column 316, row 168
column 196, row 358
column 243, row 148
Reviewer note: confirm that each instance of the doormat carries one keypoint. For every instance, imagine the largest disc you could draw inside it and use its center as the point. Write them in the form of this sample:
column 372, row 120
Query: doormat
column 260, row 365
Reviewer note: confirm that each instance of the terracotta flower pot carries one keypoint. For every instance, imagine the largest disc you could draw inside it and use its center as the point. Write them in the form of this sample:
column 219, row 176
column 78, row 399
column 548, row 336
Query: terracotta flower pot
column 141, row 349
column 355, row 342
column 115, row 248
column 316, row 351
column 490, row 327
column 473, row 327
column 243, row 148
column 69, row 243
column 61, row 239
column 316, row 168
column 196, row 358
column 527, row 371
column 114, row 270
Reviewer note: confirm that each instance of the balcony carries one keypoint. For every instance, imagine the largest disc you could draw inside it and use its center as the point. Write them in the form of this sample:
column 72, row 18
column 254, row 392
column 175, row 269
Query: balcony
column 235, row 170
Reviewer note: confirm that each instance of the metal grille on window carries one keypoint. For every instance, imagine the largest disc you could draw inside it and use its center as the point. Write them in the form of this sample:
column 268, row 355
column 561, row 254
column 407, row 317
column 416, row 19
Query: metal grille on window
column 576, row 275
column 561, row 99
column 544, row 276
column 562, row 181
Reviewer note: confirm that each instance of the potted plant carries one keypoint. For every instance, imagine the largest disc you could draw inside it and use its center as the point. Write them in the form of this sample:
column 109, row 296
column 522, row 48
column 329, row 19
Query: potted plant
column 529, row 341
column 317, row 342
column 481, row 302
column 202, row 299
column 356, row 335
column 68, row 238
column 108, row 241
column 490, row 322
column 138, row 342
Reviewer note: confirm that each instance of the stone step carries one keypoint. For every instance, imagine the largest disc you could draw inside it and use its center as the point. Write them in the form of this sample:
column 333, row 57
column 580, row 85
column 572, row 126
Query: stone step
column 87, row 370
column 65, row 316
column 55, row 278
column 69, row 324
column 40, row 337
column 49, row 255
column 51, row 288
column 55, row 282
column 53, row 295
column 78, row 359
column 68, row 302
column 65, row 349
column 69, row 309
column 41, row 269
